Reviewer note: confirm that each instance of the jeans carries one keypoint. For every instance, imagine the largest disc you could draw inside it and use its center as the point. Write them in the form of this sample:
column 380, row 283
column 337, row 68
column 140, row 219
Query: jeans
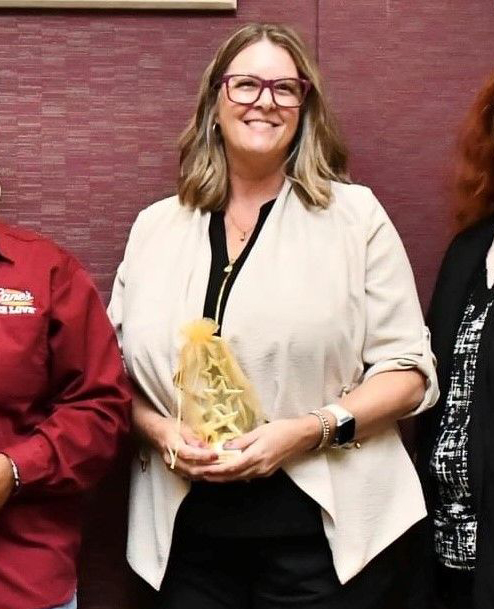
column 72, row 604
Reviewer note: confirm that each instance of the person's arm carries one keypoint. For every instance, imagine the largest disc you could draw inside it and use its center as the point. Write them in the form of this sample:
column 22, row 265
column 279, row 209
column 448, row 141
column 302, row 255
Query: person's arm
column 400, row 377
column 382, row 399
column 161, row 432
column 88, row 407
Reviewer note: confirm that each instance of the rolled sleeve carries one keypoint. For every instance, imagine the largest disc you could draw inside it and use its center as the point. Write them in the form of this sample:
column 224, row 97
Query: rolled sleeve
column 395, row 336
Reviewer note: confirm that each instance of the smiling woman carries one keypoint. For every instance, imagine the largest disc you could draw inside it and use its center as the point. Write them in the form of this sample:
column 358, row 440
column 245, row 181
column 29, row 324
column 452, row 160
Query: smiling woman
column 302, row 276
column 204, row 176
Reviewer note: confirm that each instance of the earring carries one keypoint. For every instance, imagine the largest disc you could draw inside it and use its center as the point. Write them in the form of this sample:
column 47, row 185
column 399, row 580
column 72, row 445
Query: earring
column 210, row 133
column 215, row 129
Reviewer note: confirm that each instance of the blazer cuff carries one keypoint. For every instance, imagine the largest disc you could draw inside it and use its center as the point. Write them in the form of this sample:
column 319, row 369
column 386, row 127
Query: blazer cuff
column 421, row 359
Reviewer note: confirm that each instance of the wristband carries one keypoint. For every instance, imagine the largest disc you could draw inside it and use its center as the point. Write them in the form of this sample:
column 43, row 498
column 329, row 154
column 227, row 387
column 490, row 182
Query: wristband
column 17, row 478
column 344, row 435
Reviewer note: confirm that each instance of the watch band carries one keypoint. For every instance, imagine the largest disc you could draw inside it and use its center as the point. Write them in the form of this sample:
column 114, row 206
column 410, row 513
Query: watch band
column 345, row 427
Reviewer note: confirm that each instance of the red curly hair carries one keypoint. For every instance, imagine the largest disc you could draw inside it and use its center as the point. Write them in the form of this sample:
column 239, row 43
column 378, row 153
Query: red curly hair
column 474, row 175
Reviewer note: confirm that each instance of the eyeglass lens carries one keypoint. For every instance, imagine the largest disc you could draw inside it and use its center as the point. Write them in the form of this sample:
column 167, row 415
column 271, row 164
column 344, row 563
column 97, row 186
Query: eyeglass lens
column 288, row 92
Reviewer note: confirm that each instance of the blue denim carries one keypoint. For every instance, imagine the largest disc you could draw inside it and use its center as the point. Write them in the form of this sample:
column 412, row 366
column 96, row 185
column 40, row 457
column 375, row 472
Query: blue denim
column 72, row 604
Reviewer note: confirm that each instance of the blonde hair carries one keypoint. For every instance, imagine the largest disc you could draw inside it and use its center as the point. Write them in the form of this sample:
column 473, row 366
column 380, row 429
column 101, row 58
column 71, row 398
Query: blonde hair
column 317, row 153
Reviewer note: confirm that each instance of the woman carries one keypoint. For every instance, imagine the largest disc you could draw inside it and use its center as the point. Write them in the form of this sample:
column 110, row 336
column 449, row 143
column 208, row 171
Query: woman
column 312, row 291
column 64, row 410
column 456, row 457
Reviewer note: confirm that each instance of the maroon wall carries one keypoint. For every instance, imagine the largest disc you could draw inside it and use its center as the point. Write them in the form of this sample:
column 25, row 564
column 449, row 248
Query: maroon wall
column 91, row 104
column 402, row 75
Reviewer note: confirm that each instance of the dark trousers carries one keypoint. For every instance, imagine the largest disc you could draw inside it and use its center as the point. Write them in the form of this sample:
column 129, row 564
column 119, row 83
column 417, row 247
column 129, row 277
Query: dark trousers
column 292, row 572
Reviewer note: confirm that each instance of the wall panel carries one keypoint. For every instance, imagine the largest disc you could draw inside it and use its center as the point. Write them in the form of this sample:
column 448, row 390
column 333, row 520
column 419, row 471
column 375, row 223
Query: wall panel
column 402, row 75
column 91, row 105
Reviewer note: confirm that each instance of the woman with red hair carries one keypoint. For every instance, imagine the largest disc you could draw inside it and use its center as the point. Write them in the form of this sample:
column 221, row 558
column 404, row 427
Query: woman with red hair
column 456, row 439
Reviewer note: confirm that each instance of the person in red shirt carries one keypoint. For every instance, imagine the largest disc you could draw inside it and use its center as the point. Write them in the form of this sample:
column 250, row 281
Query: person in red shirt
column 64, row 410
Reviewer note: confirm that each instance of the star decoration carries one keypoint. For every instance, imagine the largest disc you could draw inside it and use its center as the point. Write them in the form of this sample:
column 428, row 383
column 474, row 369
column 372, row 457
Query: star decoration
column 216, row 367
column 216, row 399
column 220, row 393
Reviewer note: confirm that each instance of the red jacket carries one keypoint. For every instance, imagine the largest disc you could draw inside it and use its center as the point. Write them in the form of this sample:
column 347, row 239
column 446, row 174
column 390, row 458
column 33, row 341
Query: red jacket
column 64, row 408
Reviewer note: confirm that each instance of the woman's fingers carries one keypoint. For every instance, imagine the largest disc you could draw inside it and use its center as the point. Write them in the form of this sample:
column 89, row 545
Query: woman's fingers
column 190, row 438
column 195, row 454
column 189, row 470
column 183, row 450
column 187, row 445
column 190, row 454
column 188, row 461
column 244, row 441
column 247, row 464
column 253, row 471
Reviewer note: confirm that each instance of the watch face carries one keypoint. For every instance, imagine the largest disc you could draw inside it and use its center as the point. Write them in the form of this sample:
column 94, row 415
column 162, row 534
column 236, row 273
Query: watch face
column 345, row 432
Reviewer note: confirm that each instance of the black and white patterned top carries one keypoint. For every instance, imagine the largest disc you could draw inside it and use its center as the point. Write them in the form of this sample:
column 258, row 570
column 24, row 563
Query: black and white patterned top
column 455, row 522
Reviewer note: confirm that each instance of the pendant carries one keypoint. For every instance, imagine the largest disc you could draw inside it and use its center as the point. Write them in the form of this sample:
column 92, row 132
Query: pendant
column 242, row 238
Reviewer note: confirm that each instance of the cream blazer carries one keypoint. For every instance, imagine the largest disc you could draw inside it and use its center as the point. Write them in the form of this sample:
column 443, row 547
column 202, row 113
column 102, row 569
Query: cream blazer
column 325, row 299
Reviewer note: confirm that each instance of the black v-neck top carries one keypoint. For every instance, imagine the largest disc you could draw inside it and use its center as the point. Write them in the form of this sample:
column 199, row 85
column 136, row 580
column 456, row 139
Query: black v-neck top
column 219, row 260
column 268, row 507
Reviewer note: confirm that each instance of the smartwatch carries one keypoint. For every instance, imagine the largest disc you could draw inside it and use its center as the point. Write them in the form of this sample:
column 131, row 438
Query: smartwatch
column 344, row 434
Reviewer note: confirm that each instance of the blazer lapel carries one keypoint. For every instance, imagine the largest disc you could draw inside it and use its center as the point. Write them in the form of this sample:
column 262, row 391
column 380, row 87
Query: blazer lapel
column 462, row 262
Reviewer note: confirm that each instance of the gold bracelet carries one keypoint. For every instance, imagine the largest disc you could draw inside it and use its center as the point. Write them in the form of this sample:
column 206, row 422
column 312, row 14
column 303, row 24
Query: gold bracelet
column 325, row 428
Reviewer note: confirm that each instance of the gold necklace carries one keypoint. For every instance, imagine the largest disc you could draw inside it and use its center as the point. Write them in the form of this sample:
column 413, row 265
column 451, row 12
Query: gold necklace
column 243, row 233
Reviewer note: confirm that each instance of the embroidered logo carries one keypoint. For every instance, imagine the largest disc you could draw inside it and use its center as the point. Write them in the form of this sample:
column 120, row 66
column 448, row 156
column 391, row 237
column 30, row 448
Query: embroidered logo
column 15, row 302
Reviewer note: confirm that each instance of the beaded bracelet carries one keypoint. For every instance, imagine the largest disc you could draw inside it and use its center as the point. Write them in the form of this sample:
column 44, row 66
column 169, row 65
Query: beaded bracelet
column 325, row 428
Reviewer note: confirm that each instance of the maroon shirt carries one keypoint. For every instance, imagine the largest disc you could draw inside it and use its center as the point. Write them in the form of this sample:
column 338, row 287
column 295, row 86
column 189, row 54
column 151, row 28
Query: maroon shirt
column 64, row 409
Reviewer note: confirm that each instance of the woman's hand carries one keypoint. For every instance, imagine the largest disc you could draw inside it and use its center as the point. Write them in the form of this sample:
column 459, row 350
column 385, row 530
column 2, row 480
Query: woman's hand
column 191, row 453
column 265, row 448
column 163, row 433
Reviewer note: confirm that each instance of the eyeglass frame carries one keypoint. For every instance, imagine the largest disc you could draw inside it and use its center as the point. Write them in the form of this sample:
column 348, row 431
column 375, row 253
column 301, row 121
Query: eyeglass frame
column 265, row 83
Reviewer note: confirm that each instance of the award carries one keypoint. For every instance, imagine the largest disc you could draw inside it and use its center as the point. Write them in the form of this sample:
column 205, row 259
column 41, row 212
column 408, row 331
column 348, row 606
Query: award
column 215, row 398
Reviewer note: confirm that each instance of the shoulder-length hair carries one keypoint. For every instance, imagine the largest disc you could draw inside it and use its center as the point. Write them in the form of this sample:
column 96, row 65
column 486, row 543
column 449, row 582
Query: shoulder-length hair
column 474, row 176
column 317, row 153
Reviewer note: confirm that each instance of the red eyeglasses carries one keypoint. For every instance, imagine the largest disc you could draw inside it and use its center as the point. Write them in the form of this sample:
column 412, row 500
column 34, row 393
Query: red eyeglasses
column 246, row 89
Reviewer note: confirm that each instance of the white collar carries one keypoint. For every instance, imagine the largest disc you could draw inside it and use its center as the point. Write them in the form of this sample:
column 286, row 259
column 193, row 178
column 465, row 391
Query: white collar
column 489, row 263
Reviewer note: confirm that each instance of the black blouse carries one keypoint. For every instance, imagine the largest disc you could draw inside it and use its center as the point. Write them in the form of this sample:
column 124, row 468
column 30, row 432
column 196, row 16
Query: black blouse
column 271, row 506
column 455, row 521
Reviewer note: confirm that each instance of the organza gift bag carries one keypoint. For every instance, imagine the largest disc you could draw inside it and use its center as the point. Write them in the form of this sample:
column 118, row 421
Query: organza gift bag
column 214, row 396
